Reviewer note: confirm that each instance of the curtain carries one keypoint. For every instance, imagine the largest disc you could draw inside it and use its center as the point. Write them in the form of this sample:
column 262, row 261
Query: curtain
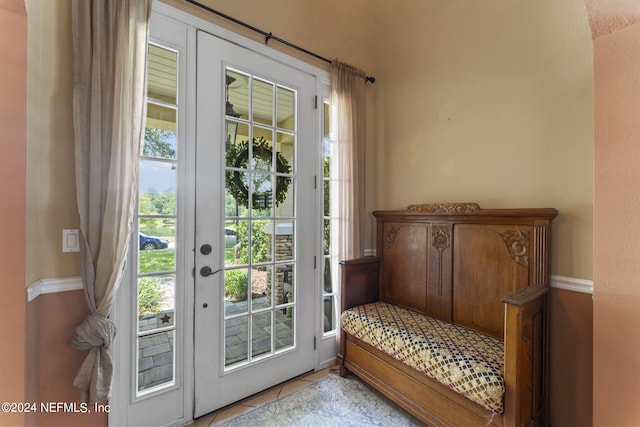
column 110, row 53
column 348, row 100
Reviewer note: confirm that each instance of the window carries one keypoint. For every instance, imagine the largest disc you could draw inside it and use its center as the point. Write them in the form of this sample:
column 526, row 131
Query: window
column 156, row 226
column 329, row 258
column 260, row 218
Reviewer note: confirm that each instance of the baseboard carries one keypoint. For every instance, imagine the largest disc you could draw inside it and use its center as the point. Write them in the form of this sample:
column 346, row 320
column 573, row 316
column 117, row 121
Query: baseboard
column 572, row 284
column 50, row 286
column 326, row 364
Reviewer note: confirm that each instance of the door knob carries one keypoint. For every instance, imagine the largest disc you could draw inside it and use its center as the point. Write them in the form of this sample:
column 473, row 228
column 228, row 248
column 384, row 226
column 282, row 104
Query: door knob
column 207, row 271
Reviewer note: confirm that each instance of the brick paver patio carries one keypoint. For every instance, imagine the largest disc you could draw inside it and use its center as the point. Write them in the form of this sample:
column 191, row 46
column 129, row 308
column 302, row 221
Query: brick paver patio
column 155, row 352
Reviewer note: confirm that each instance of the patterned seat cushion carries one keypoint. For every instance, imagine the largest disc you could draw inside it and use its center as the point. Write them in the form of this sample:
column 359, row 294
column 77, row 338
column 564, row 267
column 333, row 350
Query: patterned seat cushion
column 467, row 361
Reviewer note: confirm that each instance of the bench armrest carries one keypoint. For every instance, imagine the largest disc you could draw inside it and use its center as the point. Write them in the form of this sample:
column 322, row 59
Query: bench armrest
column 525, row 347
column 360, row 282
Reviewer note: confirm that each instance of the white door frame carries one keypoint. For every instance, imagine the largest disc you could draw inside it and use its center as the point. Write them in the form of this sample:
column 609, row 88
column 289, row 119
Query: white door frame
column 123, row 403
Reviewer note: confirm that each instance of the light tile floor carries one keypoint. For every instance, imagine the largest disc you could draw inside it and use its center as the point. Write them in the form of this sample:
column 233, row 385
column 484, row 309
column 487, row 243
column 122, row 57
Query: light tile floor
column 260, row 399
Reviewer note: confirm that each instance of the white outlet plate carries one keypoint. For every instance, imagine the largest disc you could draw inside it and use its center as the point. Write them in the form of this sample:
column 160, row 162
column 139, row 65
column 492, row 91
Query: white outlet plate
column 70, row 241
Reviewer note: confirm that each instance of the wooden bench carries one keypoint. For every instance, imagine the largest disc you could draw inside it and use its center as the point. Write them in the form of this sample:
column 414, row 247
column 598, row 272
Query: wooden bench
column 482, row 269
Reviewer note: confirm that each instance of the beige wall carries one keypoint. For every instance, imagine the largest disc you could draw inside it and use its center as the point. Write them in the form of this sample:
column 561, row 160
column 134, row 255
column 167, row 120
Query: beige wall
column 617, row 214
column 331, row 28
column 489, row 102
column 51, row 206
column 13, row 43
column 51, row 201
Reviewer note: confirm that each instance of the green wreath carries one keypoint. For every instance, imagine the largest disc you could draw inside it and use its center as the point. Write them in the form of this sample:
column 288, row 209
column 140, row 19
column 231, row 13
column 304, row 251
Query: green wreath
column 238, row 157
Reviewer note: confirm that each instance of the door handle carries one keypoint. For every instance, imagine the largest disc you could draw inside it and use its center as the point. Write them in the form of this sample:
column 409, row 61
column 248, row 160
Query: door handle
column 206, row 271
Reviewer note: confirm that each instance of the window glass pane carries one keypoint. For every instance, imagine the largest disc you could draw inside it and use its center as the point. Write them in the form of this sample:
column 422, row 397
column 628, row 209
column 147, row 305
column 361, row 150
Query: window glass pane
column 160, row 132
column 327, row 198
column 162, row 74
column 236, row 193
column 239, row 253
column 156, row 245
column 261, row 241
column 285, row 199
column 285, row 153
column 261, row 333
column 236, row 336
column 327, row 160
column 327, row 236
column 262, row 194
column 284, row 246
column 236, row 146
column 328, row 279
column 262, row 102
column 286, row 109
column 261, row 281
column 284, row 328
column 157, row 188
column 155, row 360
column 325, row 121
column 231, row 243
column 156, row 302
column 285, row 284
column 262, row 150
column 235, row 133
column 237, row 99
column 236, row 291
column 329, row 315
column 159, row 136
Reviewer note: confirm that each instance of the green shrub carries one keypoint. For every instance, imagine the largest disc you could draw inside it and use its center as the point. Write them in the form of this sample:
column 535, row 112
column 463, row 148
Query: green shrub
column 150, row 294
column 261, row 245
column 236, row 285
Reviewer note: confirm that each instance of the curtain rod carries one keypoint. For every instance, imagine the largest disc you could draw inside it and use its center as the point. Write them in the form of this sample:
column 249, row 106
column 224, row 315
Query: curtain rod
column 268, row 36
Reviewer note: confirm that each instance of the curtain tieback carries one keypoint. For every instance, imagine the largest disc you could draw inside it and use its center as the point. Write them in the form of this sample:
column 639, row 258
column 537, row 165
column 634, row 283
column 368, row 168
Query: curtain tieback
column 94, row 331
column 95, row 334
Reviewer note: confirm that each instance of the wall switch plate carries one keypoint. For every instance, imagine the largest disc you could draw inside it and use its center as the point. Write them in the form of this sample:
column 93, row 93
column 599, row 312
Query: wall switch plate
column 70, row 241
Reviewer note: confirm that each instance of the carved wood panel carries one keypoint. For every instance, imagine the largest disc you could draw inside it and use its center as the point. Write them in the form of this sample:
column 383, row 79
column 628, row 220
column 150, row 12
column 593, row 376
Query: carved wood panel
column 439, row 304
column 489, row 263
column 517, row 242
column 404, row 269
column 457, row 208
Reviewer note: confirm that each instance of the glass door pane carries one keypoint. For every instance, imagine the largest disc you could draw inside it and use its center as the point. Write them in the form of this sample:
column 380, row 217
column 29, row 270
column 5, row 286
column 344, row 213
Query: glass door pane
column 260, row 213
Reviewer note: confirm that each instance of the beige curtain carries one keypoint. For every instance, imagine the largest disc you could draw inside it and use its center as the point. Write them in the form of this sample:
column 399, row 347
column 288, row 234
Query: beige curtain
column 348, row 99
column 109, row 46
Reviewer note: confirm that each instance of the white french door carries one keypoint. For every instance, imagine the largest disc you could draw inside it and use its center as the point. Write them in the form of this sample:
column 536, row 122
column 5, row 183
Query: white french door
column 256, row 216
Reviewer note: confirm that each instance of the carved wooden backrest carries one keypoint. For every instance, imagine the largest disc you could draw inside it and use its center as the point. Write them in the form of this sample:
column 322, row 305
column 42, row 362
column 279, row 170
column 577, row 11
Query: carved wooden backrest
column 456, row 262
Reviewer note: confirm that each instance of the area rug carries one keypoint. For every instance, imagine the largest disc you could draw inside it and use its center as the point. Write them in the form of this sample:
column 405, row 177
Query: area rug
column 331, row 401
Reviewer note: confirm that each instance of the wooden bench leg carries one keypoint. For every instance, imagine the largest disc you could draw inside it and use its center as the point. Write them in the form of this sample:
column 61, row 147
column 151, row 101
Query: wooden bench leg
column 343, row 371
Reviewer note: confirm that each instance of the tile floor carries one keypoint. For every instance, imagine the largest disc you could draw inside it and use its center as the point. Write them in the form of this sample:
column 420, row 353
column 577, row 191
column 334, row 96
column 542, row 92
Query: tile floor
column 260, row 399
